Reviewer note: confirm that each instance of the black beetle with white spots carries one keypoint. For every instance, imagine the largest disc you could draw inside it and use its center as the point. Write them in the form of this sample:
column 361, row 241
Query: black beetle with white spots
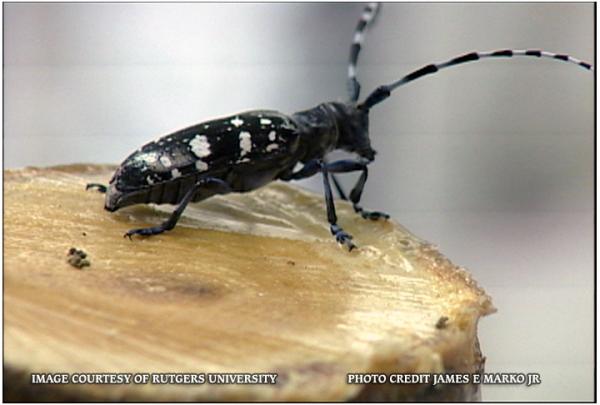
column 245, row 151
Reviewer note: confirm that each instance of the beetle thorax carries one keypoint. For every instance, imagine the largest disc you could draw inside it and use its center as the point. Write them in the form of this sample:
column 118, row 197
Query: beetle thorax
column 318, row 130
column 353, row 129
column 331, row 126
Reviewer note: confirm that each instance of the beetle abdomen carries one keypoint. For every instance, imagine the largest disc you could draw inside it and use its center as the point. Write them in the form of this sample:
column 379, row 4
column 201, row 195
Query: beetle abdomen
column 168, row 192
column 162, row 171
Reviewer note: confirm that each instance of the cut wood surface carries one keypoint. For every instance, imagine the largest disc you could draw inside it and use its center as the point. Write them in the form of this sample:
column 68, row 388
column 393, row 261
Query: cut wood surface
column 245, row 283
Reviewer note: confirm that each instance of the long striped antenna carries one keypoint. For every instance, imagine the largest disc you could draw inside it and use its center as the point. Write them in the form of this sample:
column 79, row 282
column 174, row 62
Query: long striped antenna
column 366, row 20
column 383, row 92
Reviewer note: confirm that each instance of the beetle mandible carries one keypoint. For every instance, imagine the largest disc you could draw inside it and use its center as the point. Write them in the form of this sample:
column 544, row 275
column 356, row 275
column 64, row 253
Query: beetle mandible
column 243, row 152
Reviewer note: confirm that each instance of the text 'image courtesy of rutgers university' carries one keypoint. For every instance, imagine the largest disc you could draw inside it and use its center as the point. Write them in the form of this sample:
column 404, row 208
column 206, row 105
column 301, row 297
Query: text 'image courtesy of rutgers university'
column 245, row 151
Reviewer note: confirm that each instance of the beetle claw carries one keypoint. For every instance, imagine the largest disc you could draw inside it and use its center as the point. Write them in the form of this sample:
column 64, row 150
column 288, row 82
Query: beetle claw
column 342, row 237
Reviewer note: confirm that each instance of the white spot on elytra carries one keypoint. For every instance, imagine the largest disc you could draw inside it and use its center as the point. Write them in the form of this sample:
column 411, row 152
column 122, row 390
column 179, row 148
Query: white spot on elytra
column 200, row 146
column 175, row 173
column 148, row 158
column 165, row 161
column 245, row 142
column 272, row 136
column 201, row 166
column 237, row 121
column 149, row 180
column 265, row 121
column 272, row 146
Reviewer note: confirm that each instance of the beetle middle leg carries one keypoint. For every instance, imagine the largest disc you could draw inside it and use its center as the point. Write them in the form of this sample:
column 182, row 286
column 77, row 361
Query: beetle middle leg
column 338, row 187
column 341, row 236
column 170, row 223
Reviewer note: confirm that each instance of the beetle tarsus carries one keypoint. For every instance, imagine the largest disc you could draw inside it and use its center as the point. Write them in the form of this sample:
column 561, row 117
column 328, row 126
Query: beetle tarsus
column 342, row 237
column 155, row 230
column 372, row 215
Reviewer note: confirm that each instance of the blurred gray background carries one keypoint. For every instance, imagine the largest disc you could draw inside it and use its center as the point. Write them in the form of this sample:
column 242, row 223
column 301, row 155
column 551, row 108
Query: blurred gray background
column 492, row 161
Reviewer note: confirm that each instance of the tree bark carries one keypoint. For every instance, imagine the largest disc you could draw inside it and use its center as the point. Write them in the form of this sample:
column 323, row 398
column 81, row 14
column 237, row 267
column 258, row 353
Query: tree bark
column 245, row 283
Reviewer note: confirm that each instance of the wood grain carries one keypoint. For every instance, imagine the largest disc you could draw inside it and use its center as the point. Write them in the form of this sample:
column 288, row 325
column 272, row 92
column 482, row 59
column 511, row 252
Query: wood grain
column 244, row 283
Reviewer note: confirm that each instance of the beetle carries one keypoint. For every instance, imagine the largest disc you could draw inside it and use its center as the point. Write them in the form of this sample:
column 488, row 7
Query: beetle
column 245, row 151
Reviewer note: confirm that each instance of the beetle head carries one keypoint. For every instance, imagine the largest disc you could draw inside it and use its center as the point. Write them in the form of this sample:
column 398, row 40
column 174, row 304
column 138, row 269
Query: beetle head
column 353, row 127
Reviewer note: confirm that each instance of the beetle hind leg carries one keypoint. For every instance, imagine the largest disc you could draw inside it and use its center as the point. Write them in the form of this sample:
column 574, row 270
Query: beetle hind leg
column 100, row 187
column 221, row 187
column 155, row 230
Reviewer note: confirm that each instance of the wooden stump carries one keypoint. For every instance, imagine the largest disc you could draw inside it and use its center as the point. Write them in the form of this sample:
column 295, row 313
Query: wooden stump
column 245, row 283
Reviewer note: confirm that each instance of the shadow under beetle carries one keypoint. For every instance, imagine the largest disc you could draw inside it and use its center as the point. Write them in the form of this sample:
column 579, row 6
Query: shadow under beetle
column 245, row 151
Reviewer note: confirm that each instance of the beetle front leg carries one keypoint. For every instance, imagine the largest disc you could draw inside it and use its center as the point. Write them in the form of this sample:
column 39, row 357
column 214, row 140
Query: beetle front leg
column 355, row 195
column 327, row 169
column 170, row 223
column 344, row 166
column 338, row 187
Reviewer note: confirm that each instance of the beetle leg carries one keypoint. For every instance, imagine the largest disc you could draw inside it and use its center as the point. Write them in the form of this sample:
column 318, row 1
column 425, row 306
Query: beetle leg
column 309, row 169
column 101, row 187
column 341, row 236
column 339, row 166
column 338, row 187
column 344, row 166
column 355, row 195
column 172, row 221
